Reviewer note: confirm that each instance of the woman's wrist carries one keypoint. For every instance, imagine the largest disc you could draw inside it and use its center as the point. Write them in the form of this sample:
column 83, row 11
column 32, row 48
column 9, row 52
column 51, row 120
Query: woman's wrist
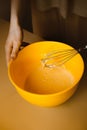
column 14, row 20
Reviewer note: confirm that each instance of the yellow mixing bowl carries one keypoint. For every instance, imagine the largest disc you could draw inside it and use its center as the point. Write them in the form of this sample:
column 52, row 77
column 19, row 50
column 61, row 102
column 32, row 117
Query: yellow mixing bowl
column 40, row 85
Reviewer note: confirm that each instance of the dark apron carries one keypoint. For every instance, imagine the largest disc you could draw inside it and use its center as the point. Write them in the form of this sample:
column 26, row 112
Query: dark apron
column 51, row 25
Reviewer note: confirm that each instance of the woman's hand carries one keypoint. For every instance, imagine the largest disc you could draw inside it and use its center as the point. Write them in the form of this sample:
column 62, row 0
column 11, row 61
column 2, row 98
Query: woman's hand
column 13, row 42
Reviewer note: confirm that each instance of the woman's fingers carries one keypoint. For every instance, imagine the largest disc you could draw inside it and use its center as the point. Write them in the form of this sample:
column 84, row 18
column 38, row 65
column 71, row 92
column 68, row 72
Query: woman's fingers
column 13, row 42
column 15, row 49
column 8, row 50
column 11, row 50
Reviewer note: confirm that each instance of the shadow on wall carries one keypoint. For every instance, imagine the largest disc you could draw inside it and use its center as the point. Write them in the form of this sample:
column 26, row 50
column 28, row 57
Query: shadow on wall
column 25, row 15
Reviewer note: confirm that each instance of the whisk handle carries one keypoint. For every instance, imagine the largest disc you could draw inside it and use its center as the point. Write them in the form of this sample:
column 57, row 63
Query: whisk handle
column 82, row 49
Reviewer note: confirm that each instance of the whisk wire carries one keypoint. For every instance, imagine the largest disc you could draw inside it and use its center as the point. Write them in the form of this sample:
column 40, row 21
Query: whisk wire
column 59, row 57
column 59, row 60
column 58, row 54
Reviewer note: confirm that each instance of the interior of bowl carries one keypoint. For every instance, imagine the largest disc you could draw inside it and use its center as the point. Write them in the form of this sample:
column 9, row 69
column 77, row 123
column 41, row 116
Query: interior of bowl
column 28, row 72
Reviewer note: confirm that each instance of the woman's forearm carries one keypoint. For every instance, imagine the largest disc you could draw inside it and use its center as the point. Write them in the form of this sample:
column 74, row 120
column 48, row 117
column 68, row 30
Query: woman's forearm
column 15, row 10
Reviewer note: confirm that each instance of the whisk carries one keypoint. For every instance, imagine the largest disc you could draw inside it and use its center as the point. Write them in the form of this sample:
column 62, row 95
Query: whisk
column 59, row 57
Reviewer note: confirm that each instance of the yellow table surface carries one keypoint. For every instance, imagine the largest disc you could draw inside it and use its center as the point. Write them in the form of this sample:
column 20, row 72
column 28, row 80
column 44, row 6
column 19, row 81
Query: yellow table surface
column 18, row 114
